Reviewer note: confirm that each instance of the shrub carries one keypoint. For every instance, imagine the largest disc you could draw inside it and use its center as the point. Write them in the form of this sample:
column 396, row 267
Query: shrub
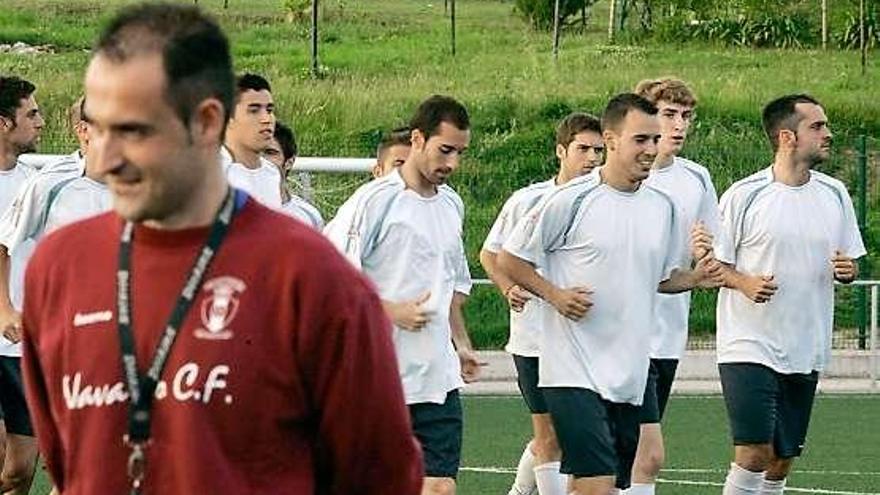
column 850, row 37
column 540, row 12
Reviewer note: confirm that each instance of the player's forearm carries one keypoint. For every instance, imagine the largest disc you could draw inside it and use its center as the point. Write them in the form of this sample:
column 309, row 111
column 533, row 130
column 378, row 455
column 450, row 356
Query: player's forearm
column 460, row 338
column 5, row 298
column 680, row 280
column 489, row 261
column 733, row 279
column 524, row 274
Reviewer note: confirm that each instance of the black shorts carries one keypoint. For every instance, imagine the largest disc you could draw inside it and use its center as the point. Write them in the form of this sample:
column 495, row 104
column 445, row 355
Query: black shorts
column 768, row 407
column 661, row 374
column 527, row 379
column 438, row 429
column 13, row 407
column 598, row 437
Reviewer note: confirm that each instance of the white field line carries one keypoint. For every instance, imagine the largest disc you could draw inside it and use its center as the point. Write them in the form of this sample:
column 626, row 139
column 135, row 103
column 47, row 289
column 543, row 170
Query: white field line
column 817, row 491
column 503, row 470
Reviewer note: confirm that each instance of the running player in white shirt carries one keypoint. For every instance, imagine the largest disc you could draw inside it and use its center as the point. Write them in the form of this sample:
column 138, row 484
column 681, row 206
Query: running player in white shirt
column 250, row 129
column 21, row 125
column 691, row 189
column 59, row 194
column 281, row 151
column 405, row 231
column 580, row 149
column 605, row 243
column 74, row 162
column 392, row 151
column 787, row 233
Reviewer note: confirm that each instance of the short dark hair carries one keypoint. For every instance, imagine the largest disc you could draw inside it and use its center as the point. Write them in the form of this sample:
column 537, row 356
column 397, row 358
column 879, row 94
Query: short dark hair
column 574, row 124
column 195, row 52
column 395, row 137
column 781, row 114
column 287, row 140
column 620, row 106
column 12, row 91
column 438, row 109
column 249, row 81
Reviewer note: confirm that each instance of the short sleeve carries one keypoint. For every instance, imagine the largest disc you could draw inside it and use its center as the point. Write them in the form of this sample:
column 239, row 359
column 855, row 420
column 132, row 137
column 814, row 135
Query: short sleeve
column 851, row 243
column 542, row 229
column 726, row 237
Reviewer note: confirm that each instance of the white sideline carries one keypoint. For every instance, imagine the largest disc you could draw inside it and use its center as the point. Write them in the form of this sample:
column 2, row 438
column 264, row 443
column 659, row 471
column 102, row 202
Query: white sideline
column 818, row 491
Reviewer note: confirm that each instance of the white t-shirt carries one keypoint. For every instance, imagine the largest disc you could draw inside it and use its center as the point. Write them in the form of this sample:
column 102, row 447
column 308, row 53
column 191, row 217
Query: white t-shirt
column 11, row 182
column 621, row 245
column 77, row 200
column 304, row 211
column 73, row 162
column 54, row 197
column 407, row 245
column 690, row 187
column 525, row 325
column 792, row 233
column 263, row 183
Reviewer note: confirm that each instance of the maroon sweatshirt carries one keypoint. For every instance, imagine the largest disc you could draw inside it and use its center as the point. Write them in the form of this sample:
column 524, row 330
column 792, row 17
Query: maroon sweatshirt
column 282, row 380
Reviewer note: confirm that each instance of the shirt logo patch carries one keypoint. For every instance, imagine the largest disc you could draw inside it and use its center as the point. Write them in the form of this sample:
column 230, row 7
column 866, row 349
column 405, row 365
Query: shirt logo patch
column 219, row 307
column 84, row 319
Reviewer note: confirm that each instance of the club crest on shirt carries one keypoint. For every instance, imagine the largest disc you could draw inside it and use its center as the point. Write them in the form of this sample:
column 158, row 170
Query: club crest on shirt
column 219, row 307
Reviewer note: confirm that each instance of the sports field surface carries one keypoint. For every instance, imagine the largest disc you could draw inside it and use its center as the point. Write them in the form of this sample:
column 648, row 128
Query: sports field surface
column 842, row 455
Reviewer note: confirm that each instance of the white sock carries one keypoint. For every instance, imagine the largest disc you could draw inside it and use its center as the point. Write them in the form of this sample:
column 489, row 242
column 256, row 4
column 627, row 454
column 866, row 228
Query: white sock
column 772, row 487
column 550, row 481
column 639, row 489
column 524, row 483
column 742, row 481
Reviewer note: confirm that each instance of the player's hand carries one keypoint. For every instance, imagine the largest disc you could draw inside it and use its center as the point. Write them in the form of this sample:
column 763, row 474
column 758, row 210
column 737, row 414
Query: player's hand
column 10, row 324
column 411, row 315
column 845, row 268
column 470, row 365
column 572, row 303
column 758, row 288
column 517, row 297
column 709, row 272
column 701, row 241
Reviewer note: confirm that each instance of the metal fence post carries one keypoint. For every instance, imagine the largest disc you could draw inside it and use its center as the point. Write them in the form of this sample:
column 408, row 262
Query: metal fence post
column 862, row 163
column 305, row 185
column 875, row 359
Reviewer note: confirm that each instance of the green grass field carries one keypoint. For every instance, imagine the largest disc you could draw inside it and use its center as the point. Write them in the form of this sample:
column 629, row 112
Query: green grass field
column 842, row 455
column 381, row 57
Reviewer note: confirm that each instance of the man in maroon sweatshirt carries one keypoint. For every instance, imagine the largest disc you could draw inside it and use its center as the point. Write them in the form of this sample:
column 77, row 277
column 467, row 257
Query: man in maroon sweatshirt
column 193, row 341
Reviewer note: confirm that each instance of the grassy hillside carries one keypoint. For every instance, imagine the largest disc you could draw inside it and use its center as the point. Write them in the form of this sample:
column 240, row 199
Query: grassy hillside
column 381, row 57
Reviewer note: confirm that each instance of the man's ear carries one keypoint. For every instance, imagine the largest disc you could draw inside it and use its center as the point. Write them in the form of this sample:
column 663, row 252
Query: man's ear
column 418, row 139
column 610, row 138
column 787, row 139
column 207, row 121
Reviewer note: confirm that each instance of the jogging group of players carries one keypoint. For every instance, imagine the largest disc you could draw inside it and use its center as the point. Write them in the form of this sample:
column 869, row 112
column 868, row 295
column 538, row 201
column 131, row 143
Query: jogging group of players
column 278, row 370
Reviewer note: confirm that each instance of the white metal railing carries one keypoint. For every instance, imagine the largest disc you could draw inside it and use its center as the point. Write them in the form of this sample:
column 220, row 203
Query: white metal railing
column 302, row 164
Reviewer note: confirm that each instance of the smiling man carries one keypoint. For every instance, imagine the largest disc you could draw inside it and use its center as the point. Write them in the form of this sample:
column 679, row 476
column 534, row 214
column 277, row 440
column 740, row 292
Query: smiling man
column 200, row 357
column 605, row 245
column 787, row 233
column 405, row 231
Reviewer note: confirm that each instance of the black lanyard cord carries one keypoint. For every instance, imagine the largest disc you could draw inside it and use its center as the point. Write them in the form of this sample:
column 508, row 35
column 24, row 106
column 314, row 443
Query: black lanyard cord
column 141, row 388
